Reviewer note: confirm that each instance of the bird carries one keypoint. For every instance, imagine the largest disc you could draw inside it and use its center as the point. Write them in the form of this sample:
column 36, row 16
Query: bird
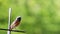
column 15, row 23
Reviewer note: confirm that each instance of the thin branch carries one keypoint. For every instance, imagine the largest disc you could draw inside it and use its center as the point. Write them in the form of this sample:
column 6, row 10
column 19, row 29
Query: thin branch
column 13, row 30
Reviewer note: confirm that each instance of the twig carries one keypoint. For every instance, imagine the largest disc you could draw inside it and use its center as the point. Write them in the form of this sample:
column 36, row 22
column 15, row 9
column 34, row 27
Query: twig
column 13, row 30
column 9, row 20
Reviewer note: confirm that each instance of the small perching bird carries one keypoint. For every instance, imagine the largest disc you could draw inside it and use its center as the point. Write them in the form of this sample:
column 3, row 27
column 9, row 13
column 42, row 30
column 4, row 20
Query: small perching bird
column 15, row 23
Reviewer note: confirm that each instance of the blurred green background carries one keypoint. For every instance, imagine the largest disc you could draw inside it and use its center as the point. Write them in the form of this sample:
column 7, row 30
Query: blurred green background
column 38, row 16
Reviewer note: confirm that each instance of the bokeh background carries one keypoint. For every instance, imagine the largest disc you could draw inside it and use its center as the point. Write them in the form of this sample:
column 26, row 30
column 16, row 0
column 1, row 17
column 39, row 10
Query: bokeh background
column 38, row 16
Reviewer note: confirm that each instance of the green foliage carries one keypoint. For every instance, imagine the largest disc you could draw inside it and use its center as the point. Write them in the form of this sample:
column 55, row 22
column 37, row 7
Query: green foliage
column 38, row 16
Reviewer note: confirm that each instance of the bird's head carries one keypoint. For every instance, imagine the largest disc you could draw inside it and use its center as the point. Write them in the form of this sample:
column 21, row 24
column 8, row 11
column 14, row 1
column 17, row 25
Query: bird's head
column 19, row 18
